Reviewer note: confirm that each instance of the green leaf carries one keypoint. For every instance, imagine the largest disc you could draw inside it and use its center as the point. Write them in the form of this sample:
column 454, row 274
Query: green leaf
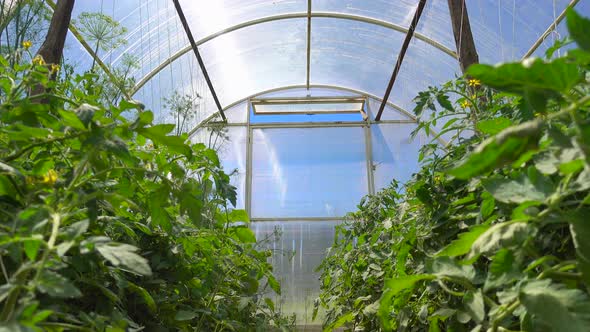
column 493, row 126
column 244, row 234
column 158, row 214
column 343, row 319
column 274, row 284
column 519, row 190
column 447, row 267
column 580, row 230
column 239, row 216
column 578, row 28
column 71, row 119
column 462, row 244
column 556, row 307
column 32, row 248
column 184, row 315
column 530, row 75
column 502, row 235
column 56, row 285
column 144, row 294
column 393, row 287
column 502, row 149
column 158, row 135
column 123, row 255
column 473, row 302
column 503, row 269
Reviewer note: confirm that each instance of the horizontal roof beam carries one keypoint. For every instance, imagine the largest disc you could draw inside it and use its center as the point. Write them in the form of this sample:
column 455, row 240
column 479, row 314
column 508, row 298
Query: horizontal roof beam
column 266, row 19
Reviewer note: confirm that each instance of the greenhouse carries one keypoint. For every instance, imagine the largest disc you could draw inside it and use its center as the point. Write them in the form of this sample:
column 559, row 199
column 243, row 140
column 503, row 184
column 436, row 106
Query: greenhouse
column 295, row 165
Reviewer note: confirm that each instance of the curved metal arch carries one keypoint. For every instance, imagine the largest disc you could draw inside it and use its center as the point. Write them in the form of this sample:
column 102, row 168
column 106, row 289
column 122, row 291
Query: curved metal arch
column 272, row 18
column 400, row 109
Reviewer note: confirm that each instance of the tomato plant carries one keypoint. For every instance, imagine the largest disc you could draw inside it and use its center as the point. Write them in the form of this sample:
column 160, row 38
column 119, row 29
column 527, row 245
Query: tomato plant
column 492, row 233
column 112, row 224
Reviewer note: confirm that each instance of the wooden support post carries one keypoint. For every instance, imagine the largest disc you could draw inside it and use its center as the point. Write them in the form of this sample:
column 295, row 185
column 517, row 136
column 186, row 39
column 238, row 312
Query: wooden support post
column 463, row 36
column 53, row 46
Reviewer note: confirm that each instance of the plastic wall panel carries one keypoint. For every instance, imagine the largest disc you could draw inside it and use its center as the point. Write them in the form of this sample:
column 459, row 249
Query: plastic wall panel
column 353, row 54
column 231, row 147
column 435, row 22
column 257, row 58
column 209, row 16
column 297, row 253
column 395, row 154
column 307, row 172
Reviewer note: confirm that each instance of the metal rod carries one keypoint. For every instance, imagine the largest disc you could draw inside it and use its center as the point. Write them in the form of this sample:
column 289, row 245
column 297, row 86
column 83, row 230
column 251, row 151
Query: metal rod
column 401, row 56
column 308, row 43
column 297, row 219
column 308, row 100
column 550, row 29
column 249, row 150
column 246, row 24
column 191, row 39
column 369, row 163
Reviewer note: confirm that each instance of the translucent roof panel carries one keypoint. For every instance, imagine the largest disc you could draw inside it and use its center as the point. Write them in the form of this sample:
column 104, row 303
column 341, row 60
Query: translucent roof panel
column 505, row 30
column 435, row 16
column 423, row 66
column 184, row 78
column 256, row 58
column 154, row 31
column 353, row 54
column 210, row 16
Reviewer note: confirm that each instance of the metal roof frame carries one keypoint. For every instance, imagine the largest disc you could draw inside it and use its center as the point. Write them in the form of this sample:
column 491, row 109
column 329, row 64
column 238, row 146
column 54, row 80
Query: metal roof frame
column 306, row 15
column 401, row 55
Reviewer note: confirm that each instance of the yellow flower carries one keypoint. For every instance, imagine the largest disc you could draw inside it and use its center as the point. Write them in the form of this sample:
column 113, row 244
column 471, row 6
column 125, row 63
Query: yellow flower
column 473, row 82
column 465, row 104
column 38, row 61
column 54, row 68
column 50, row 178
column 27, row 44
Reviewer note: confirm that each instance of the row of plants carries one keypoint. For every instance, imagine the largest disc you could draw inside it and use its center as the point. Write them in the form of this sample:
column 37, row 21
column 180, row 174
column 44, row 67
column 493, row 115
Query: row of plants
column 492, row 234
column 110, row 223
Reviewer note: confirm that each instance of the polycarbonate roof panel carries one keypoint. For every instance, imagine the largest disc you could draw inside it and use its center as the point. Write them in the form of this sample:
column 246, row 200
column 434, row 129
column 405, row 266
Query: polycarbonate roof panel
column 209, row 16
column 504, row 30
column 423, row 66
column 435, row 22
column 256, row 58
column 154, row 31
column 353, row 54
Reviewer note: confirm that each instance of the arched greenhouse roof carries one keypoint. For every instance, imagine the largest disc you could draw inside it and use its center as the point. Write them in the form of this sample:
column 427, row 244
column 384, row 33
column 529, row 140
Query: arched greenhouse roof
column 249, row 47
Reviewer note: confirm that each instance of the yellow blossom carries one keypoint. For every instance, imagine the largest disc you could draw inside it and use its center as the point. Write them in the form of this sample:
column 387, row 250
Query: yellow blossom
column 50, row 178
column 38, row 61
column 465, row 104
column 54, row 68
column 27, row 44
column 473, row 82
